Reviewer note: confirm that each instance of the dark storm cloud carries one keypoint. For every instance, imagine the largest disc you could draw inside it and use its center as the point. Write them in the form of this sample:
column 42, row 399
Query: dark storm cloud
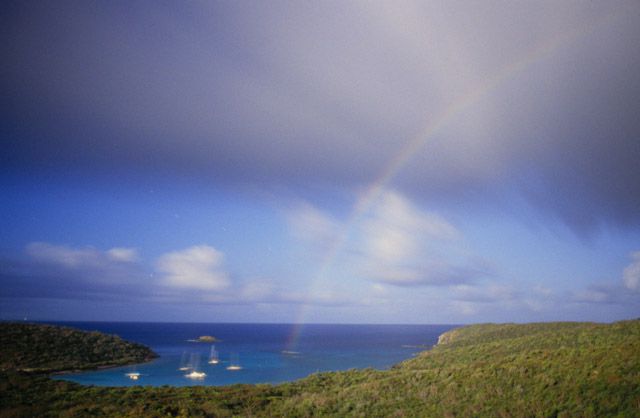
column 290, row 92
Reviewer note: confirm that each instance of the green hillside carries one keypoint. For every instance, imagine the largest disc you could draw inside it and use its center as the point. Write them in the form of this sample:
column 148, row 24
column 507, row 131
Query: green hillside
column 545, row 370
column 39, row 348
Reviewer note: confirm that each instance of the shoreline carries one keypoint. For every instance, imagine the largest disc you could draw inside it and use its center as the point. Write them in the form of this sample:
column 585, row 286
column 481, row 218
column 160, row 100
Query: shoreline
column 426, row 348
column 551, row 369
column 91, row 369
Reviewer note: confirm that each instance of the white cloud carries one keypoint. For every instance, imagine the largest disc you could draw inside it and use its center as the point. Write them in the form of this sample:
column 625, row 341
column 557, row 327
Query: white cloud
column 81, row 272
column 197, row 267
column 267, row 292
column 318, row 298
column 379, row 290
column 591, row 295
column 257, row 290
column 542, row 291
column 395, row 210
column 394, row 242
column 465, row 308
column 393, row 275
column 313, row 225
column 487, row 293
column 123, row 254
column 631, row 274
column 63, row 255
column 397, row 241
column 74, row 258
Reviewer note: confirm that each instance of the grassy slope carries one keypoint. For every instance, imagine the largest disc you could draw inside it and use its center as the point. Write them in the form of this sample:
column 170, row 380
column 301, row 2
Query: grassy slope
column 557, row 369
column 564, row 369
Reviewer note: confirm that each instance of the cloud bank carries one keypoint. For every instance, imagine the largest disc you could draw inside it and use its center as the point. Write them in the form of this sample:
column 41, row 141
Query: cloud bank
column 194, row 275
column 524, row 111
column 395, row 243
column 75, row 258
column 51, row 270
column 541, row 98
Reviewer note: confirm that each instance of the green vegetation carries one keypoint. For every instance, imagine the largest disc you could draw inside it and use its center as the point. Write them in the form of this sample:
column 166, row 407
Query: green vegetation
column 546, row 370
column 39, row 348
column 207, row 339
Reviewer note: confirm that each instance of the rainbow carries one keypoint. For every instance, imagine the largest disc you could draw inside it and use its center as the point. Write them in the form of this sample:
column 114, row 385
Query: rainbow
column 418, row 142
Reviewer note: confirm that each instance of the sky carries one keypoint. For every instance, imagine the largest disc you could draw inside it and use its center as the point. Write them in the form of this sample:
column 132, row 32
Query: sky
column 320, row 162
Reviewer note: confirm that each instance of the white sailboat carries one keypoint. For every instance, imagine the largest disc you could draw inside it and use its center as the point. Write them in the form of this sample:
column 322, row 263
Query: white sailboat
column 194, row 366
column 133, row 375
column 184, row 366
column 235, row 364
column 196, row 375
column 213, row 356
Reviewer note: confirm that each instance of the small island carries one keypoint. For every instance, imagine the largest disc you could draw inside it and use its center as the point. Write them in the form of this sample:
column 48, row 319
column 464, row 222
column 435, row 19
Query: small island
column 207, row 339
column 204, row 339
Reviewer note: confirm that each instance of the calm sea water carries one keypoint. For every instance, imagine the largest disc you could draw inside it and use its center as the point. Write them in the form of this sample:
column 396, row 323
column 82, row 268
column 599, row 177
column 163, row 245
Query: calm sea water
column 267, row 353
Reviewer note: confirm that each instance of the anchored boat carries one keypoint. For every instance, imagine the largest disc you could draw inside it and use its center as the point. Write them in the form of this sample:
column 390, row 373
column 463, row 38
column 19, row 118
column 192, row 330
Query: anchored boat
column 213, row 356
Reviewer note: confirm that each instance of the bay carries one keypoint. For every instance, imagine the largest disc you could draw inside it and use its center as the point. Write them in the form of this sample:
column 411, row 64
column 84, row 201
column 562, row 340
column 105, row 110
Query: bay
column 265, row 353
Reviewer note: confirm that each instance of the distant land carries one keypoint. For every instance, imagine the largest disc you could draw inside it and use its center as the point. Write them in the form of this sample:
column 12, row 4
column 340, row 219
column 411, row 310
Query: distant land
column 205, row 339
column 39, row 348
column 494, row 370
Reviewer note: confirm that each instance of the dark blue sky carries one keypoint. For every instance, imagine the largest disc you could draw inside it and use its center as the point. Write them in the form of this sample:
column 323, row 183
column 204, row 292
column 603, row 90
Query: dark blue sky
column 323, row 162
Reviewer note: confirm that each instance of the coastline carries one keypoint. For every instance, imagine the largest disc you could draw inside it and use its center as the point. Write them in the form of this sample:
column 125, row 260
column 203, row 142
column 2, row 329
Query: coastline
column 271, row 358
column 43, row 349
column 89, row 369
column 540, row 369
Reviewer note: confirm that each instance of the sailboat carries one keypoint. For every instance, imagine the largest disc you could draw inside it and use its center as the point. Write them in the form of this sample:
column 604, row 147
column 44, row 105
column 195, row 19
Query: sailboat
column 133, row 375
column 196, row 375
column 184, row 366
column 235, row 364
column 194, row 366
column 213, row 356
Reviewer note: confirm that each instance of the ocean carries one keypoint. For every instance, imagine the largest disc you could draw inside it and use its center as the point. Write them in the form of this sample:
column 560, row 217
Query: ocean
column 265, row 353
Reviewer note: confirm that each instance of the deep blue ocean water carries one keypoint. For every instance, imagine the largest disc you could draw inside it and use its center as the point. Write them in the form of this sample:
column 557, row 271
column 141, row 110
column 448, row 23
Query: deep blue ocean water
column 267, row 353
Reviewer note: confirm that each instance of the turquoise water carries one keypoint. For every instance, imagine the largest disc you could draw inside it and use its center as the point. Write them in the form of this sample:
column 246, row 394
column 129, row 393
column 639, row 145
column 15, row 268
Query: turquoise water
column 267, row 353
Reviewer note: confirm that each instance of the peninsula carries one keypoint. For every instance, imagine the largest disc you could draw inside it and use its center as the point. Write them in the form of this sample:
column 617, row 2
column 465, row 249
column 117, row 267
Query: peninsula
column 40, row 348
